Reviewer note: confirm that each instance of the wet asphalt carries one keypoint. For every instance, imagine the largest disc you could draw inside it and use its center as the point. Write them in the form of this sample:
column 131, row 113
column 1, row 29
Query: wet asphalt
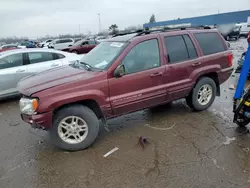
column 183, row 149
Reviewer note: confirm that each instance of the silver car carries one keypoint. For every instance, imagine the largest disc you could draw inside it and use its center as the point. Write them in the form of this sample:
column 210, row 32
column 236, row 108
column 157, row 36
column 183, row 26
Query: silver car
column 17, row 64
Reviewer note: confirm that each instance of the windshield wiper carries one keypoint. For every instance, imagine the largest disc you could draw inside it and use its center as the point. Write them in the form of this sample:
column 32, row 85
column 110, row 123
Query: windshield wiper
column 86, row 65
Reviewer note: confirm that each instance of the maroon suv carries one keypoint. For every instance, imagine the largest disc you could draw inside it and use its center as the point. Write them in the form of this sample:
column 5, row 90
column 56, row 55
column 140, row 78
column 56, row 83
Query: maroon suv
column 125, row 74
column 83, row 46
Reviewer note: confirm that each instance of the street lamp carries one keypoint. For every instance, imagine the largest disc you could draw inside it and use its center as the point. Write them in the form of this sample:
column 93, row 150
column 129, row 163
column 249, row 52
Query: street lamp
column 99, row 18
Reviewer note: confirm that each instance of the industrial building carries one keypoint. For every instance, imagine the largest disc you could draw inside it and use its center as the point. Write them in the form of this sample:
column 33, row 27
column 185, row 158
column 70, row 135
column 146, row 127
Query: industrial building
column 215, row 19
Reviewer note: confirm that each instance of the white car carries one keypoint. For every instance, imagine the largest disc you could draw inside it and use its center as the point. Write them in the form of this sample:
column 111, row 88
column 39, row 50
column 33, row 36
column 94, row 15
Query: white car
column 17, row 64
column 245, row 29
column 61, row 44
column 44, row 43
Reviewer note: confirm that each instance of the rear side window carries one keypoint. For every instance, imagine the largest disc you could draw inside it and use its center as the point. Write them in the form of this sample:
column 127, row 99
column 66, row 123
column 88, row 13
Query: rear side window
column 210, row 43
column 58, row 56
column 176, row 49
column 38, row 57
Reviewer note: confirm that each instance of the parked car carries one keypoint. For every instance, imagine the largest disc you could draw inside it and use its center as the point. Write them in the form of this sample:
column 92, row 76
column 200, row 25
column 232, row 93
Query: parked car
column 26, row 44
column 83, row 46
column 100, row 38
column 16, row 64
column 60, row 44
column 122, row 75
column 8, row 47
column 244, row 30
column 41, row 45
column 230, row 31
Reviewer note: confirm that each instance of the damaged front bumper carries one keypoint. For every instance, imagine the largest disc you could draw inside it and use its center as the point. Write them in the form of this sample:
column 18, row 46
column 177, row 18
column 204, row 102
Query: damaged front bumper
column 39, row 121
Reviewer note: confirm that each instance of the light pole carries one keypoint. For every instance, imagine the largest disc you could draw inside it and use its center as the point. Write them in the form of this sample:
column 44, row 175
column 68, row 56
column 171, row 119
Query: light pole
column 99, row 18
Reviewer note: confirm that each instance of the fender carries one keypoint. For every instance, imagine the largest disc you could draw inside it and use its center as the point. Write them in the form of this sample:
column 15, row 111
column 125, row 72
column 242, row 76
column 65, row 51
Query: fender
column 199, row 72
column 50, row 103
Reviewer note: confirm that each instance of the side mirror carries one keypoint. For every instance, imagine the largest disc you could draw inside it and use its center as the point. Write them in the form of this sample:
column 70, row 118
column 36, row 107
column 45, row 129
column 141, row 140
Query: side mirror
column 228, row 44
column 119, row 71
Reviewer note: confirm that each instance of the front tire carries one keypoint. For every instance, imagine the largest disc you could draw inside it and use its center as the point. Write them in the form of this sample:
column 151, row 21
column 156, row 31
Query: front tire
column 74, row 128
column 203, row 94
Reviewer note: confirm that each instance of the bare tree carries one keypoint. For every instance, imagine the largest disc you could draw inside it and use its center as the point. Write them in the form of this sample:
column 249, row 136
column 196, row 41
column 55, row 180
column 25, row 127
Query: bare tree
column 152, row 19
column 113, row 28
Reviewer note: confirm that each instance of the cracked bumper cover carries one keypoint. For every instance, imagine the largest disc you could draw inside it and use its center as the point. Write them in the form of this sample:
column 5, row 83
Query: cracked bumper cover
column 43, row 121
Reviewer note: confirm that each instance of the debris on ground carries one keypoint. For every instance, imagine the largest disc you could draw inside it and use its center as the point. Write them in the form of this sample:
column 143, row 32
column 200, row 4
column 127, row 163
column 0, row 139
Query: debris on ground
column 110, row 152
column 232, row 86
column 229, row 140
column 159, row 128
column 40, row 142
column 143, row 141
column 246, row 149
column 13, row 124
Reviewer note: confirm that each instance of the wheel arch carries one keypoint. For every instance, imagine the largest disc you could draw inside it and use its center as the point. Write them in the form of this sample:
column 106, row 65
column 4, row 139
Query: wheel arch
column 92, row 104
column 214, row 76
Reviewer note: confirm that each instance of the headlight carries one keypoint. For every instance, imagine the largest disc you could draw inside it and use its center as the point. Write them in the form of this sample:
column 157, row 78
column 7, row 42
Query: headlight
column 28, row 106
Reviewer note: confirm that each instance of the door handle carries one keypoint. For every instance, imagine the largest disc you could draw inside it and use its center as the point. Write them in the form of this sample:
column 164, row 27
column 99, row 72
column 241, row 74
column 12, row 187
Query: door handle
column 196, row 64
column 54, row 65
column 156, row 74
column 20, row 70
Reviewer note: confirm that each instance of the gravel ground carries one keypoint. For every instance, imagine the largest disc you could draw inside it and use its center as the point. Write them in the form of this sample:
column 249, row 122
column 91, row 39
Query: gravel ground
column 185, row 149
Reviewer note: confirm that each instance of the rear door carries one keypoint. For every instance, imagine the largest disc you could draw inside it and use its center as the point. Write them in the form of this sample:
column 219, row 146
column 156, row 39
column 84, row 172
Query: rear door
column 42, row 61
column 12, row 70
column 142, row 85
column 182, row 58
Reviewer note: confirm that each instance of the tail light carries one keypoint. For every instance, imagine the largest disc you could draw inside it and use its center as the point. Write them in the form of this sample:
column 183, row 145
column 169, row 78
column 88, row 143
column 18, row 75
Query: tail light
column 230, row 60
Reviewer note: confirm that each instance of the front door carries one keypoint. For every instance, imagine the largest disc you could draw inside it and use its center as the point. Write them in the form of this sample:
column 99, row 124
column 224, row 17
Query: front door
column 142, row 85
column 12, row 70
column 42, row 61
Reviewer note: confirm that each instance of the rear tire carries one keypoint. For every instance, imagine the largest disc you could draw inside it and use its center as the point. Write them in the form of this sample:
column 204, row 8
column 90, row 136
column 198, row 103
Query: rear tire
column 189, row 101
column 78, row 137
column 202, row 95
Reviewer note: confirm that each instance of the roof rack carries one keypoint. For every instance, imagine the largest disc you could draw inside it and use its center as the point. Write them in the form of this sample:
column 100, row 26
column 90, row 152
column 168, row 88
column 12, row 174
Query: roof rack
column 165, row 29
column 120, row 34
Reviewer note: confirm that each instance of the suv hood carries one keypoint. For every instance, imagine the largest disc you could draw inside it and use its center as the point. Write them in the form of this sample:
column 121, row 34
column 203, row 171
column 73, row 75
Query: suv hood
column 52, row 78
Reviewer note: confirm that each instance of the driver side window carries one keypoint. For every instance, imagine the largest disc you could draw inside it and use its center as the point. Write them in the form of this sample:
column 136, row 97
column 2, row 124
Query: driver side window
column 143, row 56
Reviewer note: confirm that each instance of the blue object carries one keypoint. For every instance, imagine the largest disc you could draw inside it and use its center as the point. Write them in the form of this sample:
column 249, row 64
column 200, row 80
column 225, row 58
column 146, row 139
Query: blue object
column 224, row 18
column 247, row 114
column 243, row 76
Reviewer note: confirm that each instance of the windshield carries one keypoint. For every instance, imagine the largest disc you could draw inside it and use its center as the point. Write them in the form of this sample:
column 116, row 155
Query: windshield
column 103, row 54
column 78, row 43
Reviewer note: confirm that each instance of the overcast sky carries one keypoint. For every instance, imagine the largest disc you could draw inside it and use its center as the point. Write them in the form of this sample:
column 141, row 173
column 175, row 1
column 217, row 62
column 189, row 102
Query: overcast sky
column 35, row 18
